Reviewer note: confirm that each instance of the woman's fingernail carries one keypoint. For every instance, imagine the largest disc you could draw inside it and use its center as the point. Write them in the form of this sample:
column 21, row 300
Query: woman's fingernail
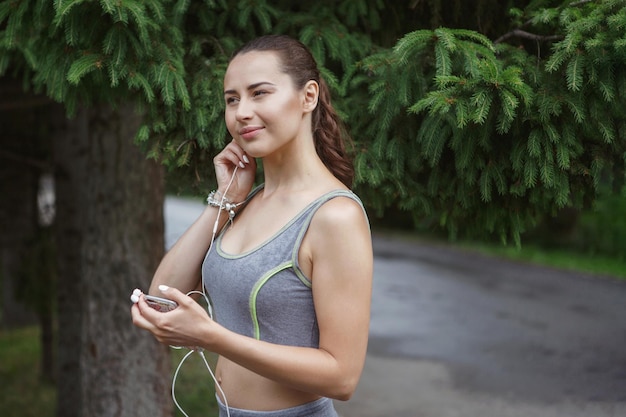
column 163, row 288
column 245, row 159
column 241, row 164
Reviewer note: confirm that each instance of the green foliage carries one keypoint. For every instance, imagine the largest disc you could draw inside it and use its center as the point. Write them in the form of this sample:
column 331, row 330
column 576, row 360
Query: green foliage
column 84, row 51
column 497, row 140
column 602, row 229
column 476, row 136
column 23, row 392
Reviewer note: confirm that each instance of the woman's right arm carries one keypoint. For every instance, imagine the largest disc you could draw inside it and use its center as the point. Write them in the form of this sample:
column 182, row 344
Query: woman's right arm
column 180, row 267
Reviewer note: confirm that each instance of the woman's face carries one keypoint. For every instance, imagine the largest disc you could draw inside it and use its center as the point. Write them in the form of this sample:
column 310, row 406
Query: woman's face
column 264, row 111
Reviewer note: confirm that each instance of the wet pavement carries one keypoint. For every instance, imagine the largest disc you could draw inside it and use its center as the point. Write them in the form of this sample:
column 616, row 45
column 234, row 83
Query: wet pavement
column 454, row 333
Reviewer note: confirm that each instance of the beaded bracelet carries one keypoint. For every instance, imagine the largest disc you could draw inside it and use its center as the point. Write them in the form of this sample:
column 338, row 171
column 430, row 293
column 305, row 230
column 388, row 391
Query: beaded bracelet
column 222, row 203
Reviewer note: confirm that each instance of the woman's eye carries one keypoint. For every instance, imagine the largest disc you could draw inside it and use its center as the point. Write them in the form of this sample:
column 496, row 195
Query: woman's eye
column 231, row 100
column 258, row 93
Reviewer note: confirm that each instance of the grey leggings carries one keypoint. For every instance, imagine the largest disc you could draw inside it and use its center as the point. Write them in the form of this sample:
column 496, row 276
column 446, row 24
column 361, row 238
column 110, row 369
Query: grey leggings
column 318, row 408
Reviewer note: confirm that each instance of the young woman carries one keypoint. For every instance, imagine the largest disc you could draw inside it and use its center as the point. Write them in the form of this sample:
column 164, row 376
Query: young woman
column 290, row 278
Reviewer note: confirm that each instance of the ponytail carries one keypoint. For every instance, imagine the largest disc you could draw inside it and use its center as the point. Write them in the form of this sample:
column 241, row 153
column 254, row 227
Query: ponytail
column 331, row 138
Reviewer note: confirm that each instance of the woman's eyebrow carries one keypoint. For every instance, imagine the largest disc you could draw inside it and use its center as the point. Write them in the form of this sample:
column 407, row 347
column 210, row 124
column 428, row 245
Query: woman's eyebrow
column 250, row 87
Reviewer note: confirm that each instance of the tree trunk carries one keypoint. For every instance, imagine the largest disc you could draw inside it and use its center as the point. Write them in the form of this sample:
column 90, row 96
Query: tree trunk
column 110, row 240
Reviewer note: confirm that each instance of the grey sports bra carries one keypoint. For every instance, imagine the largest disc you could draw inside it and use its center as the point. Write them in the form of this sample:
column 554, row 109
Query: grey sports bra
column 263, row 293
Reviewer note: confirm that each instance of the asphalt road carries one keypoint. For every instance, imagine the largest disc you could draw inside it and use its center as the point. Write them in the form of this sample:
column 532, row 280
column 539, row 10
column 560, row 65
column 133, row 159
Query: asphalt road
column 455, row 333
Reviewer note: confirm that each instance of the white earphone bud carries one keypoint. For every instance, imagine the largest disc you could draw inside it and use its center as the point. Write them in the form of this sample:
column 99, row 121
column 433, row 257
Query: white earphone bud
column 134, row 297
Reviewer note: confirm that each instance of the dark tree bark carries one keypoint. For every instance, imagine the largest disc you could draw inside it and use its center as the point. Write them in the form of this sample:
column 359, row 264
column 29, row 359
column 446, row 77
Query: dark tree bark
column 110, row 240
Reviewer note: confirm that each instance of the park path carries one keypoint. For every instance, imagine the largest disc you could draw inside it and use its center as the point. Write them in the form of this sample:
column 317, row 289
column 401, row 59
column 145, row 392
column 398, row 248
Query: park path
column 456, row 333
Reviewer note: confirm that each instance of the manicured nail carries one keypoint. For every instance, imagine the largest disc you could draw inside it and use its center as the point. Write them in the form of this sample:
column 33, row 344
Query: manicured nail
column 245, row 159
column 137, row 292
column 134, row 298
column 163, row 288
column 241, row 164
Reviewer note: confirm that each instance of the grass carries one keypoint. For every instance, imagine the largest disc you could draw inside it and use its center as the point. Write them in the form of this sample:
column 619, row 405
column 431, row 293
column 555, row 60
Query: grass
column 556, row 258
column 24, row 394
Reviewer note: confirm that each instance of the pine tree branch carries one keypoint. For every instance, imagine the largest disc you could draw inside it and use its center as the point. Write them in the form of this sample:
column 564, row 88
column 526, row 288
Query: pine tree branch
column 539, row 38
column 527, row 35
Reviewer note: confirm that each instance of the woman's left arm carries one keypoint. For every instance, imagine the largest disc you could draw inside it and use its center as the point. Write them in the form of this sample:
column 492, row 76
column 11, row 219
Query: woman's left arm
column 342, row 259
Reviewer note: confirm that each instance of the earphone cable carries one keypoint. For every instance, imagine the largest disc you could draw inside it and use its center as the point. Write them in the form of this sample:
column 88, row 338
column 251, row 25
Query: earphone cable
column 213, row 234
column 174, row 382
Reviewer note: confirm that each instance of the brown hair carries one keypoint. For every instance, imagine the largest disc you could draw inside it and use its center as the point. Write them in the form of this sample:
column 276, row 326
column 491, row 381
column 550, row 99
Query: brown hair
column 328, row 132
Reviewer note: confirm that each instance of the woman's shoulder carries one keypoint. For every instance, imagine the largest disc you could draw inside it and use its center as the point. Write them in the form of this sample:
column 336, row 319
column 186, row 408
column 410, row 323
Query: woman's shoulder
column 339, row 225
column 341, row 209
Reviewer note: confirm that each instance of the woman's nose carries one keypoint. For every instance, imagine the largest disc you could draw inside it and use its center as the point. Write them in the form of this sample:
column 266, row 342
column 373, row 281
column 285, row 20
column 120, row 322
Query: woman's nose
column 244, row 109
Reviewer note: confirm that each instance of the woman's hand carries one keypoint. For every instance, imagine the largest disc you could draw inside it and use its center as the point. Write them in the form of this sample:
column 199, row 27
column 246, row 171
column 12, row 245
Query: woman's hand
column 187, row 325
column 230, row 158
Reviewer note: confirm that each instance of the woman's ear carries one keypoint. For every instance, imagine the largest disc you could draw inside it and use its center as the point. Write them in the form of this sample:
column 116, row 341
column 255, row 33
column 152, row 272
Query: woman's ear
column 311, row 95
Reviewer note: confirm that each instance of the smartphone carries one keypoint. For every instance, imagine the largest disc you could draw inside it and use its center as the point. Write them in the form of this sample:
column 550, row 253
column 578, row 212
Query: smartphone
column 160, row 304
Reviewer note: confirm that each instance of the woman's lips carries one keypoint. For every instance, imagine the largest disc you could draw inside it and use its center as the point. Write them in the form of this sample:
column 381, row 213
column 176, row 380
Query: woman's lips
column 250, row 132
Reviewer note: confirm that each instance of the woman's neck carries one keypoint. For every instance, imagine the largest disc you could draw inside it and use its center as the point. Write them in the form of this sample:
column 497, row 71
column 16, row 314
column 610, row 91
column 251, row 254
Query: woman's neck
column 296, row 170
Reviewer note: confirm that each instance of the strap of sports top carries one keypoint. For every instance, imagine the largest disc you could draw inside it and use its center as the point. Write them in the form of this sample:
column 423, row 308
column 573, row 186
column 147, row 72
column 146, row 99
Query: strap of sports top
column 313, row 209
column 337, row 193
